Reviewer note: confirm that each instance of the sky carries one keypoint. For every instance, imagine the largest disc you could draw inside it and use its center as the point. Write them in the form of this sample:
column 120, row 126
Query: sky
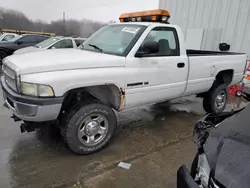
column 99, row 10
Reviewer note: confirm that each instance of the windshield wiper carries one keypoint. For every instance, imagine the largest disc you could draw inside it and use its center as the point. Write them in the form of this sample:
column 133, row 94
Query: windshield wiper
column 96, row 47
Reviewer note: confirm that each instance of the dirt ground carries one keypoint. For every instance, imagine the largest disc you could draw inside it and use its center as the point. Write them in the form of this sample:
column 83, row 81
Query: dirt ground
column 156, row 140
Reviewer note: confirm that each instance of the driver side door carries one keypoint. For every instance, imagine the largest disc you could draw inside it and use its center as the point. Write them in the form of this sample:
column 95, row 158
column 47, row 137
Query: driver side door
column 28, row 40
column 157, row 77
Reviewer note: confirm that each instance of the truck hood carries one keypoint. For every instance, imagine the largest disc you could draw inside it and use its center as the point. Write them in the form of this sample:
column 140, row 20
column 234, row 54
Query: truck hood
column 228, row 151
column 28, row 49
column 62, row 59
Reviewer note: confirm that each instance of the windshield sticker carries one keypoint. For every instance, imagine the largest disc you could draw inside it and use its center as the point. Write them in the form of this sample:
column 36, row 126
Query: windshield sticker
column 130, row 30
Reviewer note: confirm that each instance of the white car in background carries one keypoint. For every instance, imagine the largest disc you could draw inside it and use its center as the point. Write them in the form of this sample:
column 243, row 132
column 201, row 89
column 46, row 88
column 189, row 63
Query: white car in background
column 7, row 36
column 53, row 43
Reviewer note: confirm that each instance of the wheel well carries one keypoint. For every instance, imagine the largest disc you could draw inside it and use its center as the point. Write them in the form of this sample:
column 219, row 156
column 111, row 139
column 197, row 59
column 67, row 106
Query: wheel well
column 3, row 50
column 224, row 77
column 109, row 94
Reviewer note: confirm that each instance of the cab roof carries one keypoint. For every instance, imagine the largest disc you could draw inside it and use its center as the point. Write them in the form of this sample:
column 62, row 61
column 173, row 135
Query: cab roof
column 144, row 23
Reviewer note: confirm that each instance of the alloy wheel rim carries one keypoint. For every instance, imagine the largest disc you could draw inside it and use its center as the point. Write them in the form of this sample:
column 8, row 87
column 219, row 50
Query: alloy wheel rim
column 93, row 129
column 220, row 100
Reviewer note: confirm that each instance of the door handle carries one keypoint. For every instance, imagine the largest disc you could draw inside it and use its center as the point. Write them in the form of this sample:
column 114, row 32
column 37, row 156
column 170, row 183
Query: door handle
column 180, row 65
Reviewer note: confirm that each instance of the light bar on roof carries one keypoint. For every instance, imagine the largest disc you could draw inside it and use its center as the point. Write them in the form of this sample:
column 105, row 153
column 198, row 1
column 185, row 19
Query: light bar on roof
column 158, row 15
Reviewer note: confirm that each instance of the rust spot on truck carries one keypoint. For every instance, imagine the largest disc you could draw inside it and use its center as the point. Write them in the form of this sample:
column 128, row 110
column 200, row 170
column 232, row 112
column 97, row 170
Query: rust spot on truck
column 122, row 95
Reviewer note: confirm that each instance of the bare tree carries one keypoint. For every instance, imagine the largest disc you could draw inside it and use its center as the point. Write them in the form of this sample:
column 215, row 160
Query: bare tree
column 11, row 19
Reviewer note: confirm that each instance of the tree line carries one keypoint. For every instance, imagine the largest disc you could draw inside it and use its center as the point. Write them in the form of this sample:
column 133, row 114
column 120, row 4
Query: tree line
column 12, row 19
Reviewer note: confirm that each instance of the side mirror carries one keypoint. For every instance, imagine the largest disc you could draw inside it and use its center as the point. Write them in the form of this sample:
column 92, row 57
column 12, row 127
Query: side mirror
column 147, row 48
column 19, row 42
column 53, row 47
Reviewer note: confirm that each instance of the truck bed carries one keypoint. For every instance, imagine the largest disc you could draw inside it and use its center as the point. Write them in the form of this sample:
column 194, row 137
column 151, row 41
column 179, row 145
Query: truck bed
column 205, row 65
column 209, row 53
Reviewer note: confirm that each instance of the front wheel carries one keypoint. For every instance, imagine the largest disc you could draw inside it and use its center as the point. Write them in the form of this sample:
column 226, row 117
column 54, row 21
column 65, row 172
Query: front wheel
column 216, row 99
column 2, row 56
column 89, row 127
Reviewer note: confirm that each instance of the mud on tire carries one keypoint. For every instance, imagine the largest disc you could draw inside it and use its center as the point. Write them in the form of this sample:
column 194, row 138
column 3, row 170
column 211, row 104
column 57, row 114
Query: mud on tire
column 76, row 120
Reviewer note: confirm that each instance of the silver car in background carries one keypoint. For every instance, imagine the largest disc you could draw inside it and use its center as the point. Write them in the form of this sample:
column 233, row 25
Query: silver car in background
column 53, row 43
column 7, row 36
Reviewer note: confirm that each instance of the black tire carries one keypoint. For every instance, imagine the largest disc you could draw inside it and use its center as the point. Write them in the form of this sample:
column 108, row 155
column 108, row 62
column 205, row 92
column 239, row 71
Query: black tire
column 194, row 166
column 73, row 121
column 2, row 56
column 209, row 101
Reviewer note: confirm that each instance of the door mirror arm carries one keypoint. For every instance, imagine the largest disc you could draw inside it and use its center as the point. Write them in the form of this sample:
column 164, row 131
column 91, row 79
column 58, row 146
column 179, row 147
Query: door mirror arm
column 141, row 54
column 19, row 42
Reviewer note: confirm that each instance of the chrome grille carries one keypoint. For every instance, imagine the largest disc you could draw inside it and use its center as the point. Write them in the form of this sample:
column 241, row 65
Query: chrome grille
column 10, row 77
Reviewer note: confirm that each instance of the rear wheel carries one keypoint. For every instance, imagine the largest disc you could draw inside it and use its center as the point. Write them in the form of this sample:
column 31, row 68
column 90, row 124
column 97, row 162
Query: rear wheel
column 216, row 99
column 89, row 127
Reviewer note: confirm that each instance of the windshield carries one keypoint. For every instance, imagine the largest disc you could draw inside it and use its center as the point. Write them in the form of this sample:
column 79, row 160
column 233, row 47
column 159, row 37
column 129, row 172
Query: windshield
column 114, row 39
column 48, row 42
column 15, row 38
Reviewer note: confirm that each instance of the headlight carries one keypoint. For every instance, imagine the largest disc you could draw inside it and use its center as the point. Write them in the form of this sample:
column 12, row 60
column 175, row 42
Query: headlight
column 36, row 90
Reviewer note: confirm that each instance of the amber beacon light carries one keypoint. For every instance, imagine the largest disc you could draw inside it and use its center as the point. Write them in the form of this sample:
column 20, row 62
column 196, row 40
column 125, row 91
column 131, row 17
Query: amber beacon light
column 158, row 15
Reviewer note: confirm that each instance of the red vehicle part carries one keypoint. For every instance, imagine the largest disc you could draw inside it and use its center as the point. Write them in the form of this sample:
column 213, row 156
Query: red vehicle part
column 237, row 89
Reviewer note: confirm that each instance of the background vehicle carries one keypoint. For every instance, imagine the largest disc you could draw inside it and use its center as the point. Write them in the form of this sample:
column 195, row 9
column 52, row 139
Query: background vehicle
column 121, row 66
column 53, row 43
column 223, row 153
column 20, row 32
column 7, row 48
column 7, row 36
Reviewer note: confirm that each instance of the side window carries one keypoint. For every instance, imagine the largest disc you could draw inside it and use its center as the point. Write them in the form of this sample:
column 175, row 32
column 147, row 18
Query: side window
column 29, row 39
column 41, row 38
column 78, row 42
column 66, row 43
column 167, row 40
column 8, row 37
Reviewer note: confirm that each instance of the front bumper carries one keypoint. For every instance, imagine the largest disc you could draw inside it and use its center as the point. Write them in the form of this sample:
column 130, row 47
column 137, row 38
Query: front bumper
column 184, row 179
column 31, row 108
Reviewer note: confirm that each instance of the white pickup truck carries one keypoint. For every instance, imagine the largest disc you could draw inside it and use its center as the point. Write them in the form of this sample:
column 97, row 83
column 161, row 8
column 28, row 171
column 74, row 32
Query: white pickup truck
column 121, row 66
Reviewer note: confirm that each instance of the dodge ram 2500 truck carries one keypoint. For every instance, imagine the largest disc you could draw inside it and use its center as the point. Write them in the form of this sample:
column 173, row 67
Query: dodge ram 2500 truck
column 140, row 61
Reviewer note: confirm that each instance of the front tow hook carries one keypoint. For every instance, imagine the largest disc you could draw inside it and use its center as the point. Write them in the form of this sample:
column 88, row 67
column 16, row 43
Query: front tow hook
column 28, row 127
column 23, row 127
column 15, row 118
